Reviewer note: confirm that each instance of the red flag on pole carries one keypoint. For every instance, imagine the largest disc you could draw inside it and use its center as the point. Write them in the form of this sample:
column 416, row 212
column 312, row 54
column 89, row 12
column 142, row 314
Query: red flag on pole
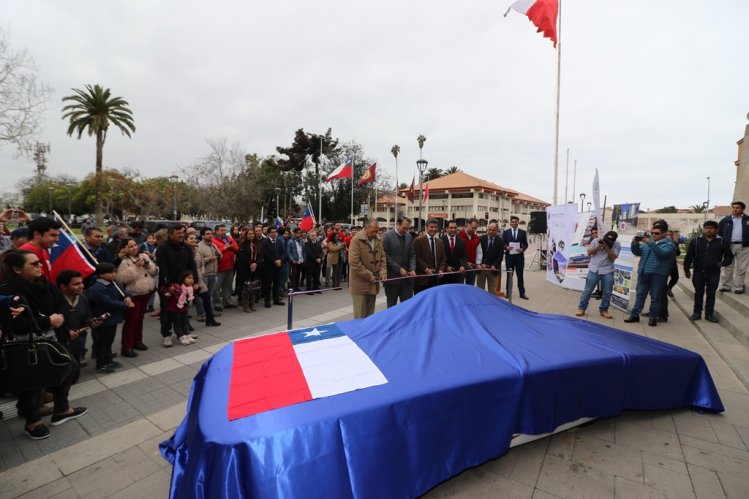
column 426, row 192
column 410, row 193
column 369, row 175
column 542, row 13
column 344, row 171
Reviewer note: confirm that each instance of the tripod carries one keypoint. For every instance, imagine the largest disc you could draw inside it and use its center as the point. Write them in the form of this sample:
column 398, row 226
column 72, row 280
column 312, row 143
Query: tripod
column 539, row 257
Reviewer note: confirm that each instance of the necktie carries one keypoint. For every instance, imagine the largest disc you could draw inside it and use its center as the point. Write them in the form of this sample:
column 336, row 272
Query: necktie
column 491, row 240
column 434, row 256
column 514, row 234
column 452, row 244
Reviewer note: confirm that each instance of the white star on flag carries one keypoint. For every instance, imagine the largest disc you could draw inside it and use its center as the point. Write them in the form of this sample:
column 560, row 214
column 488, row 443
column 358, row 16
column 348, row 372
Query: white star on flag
column 314, row 332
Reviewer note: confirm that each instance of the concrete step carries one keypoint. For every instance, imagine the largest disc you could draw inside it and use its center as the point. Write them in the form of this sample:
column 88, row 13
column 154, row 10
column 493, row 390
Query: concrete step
column 738, row 302
column 731, row 313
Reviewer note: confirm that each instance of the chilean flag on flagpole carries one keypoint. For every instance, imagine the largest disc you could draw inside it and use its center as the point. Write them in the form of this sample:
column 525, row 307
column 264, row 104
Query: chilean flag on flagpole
column 542, row 13
column 346, row 170
column 308, row 221
column 67, row 255
column 282, row 369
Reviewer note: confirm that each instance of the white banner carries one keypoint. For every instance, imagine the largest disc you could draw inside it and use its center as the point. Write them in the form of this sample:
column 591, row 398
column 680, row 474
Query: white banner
column 623, row 275
column 561, row 221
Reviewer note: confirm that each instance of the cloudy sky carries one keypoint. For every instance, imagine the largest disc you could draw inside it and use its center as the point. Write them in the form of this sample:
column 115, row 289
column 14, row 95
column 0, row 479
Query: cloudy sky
column 654, row 94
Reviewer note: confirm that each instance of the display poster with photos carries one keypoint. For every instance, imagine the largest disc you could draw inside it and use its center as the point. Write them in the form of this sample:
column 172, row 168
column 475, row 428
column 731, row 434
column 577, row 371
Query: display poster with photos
column 623, row 275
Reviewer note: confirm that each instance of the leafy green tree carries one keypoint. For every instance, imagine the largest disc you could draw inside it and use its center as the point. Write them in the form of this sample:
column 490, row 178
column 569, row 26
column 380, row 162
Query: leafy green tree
column 667, row 209
column 92, row 110
column 698, row 208
column 452, row 169
column 433, row 174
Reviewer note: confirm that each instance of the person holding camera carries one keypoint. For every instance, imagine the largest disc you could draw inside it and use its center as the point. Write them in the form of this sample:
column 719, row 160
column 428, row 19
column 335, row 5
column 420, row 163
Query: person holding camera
column 656, row 253
column 709, row 254
column 136, row 272
column 603, row 252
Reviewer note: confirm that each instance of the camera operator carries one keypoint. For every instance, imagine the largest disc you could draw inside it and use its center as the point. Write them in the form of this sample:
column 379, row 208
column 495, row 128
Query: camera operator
column 656, row 253
column 23, row 277
column 602, row 254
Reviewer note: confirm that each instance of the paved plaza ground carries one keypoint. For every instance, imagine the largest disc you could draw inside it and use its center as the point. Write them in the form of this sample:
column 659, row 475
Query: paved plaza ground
column 113, row 450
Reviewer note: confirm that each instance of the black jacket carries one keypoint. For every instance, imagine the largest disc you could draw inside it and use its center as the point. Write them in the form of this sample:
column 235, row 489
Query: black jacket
column 708, row 256
column 457, row 258
column 173, row 259
column 312, row 251
column 492, row 256
column 44, row 300
column 725, row 229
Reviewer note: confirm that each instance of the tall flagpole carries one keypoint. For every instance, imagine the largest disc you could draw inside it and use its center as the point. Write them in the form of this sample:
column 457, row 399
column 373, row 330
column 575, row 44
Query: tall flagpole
column 352, row 188
column 374, row 179
column 319, row 185
column 559, row 73
column 567, row 176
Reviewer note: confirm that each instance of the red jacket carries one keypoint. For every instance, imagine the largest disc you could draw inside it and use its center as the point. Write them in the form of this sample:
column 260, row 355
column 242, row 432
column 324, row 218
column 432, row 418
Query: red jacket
column 471, row 245
column 228, row 253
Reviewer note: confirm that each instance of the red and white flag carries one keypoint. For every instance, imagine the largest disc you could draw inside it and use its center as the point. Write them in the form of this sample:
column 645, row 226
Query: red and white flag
column 542, row 13
column 426, row 192
column 346, row 170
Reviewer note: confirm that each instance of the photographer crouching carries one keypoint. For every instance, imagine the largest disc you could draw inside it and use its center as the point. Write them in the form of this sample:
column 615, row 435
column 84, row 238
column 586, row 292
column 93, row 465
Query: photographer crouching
column 44, row 305
column 602, row 254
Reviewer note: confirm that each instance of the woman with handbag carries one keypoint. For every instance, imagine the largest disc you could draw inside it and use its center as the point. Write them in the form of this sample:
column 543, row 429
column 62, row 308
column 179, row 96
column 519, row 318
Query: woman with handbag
column 248, row 281
column 136, row 272
column 43, row 303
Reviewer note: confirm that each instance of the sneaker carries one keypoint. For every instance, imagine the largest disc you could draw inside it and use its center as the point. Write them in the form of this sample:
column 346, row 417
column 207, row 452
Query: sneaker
column 58, row 419
column 580, row 312
column 40, row 432
column 186, row 340
column 105, row 369
column 194, row 336
column 606, row 315
column 201, row 318
column 631, row 319
column 167, row 341
column 695, row 317
column 115, row 364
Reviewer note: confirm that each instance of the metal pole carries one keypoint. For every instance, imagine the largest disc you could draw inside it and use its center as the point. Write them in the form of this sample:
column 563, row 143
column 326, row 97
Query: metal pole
column 559, row 76
column 509, row 285
column 574, row 182
column 708, row 197
column 319, row 184
column 352, row 191
column 49, row 191
column 421, row 201
column 567, row 176
column 290, row 312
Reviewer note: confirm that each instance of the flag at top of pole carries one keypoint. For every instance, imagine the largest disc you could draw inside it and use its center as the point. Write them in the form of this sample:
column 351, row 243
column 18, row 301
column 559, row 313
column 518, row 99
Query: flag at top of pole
column 346, row 170
column 369, row 175
column 542, row 13
column 308, row 221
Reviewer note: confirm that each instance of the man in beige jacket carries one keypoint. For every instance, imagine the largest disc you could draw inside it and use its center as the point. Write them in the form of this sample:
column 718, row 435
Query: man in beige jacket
column 367, row 266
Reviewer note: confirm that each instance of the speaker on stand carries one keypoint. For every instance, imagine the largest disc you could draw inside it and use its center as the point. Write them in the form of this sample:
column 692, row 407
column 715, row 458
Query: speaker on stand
column 537, row 227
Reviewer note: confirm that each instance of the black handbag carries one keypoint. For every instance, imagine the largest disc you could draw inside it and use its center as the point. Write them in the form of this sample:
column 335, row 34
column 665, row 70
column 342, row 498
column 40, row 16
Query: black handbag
column 32, row 362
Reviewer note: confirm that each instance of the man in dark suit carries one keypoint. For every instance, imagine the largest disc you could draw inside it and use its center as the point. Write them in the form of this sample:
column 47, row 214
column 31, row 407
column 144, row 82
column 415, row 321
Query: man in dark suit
column 274, row 254
column 455, row 254
column 430, row 258
column 493, row 250
column 401, row 260
column 516, row 241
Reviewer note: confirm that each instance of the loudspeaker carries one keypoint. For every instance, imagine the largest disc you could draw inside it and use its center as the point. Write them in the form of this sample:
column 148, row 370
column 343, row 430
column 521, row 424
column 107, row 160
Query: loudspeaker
column 537, row 224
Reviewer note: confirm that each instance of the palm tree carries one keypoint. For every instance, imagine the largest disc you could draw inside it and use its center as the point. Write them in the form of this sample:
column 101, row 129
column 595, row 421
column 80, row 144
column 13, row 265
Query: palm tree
column 395, row 150
column 93, row 110
column 433, row 174
column 421, row 139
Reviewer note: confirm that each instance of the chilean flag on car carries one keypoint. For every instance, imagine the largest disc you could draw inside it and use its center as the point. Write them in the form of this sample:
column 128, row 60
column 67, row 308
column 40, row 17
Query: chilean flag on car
column 281, row 369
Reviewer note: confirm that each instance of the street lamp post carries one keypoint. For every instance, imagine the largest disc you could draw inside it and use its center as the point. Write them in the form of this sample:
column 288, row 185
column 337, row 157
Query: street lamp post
column 70, row 212
column 174, row 179
column 707, row 205
column 49, row 191
column 278, row 193
column 582, row 201
column 421, row 165
column 589, row 203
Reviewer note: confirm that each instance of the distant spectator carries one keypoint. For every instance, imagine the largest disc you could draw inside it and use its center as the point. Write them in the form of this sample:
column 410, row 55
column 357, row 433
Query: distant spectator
column 735, row 228
column 708, row 254
column 43, row 235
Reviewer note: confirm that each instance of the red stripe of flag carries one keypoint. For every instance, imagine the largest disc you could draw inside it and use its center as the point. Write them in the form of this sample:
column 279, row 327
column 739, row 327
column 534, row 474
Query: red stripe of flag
column 265, row 375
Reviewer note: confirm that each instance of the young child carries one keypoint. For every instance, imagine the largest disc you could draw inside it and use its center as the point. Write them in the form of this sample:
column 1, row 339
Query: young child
column 180, row 297
column 104, row 298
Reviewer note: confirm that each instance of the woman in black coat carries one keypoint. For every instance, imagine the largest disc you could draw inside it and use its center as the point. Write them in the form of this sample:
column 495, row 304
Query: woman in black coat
column 248, row 262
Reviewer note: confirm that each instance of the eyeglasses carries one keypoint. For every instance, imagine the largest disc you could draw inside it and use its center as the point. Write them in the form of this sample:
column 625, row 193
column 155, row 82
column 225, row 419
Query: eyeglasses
column 656, row 233
column 37, row 263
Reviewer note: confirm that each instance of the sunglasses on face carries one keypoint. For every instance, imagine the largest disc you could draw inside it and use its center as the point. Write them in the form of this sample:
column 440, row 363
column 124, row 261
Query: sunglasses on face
column 36, row 263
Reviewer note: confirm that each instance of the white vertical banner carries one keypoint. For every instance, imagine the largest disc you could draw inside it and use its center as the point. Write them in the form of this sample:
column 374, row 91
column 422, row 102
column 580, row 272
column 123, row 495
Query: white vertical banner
column 561, row 221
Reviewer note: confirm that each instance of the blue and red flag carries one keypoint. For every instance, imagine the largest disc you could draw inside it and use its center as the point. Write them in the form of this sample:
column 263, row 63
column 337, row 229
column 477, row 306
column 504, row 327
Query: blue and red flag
column 280, row 369
column 308, row 220
column 67, row 255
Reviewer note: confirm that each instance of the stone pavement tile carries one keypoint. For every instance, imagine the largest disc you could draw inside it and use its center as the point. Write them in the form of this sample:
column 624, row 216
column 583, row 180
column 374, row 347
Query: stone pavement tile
column 540, row 494
column 609, row 457
column 675, row 465
column 474, row 483
column 716, row 462
column 727, row 435
column 503, row 465
column 68, row 494
column 663, row 420
column 627, row 489
column 169, row 418
column 716, row 448
column 744, row 434
column 530, row 459
column 691, row 426
column 574, row 480
column 112, row 474
column 83, row 454
column 674, row 484
column 563, row 444
column 28, row 477
column 648, row 440
column 151, row 448
column 641, row 418
column 734, row 486
column 52, row 489
column 705, row 482
column 154, row 485
column 601, row 428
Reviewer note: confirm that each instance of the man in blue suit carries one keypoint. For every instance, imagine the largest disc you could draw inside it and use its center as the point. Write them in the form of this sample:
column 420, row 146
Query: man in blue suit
column 516, row 242
column 274, row 255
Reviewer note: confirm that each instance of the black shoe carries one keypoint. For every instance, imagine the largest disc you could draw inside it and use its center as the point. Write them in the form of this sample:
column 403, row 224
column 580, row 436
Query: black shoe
column 105, row 369
column 278, row 302
column 218, row 309
column 39, row 433
column 711, row 318
column 662, row 319
column 670, row 293
column 230, row 305
column 141, row 346
column 58, row 419
column 739, row 292
column 524, row 297
column 632, row 319
column 129, row 353
column 267, row 304
column 724, row 290
column 695, row 317
column 115, row 365
column 653, row 322
column 212, row 323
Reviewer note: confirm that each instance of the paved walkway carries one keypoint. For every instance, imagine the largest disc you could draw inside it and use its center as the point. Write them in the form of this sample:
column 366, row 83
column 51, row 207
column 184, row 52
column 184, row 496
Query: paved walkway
column 113, row 450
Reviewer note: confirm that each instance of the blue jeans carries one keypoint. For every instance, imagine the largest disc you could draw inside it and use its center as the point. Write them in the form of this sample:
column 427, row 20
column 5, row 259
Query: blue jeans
column 653, row 284
column 210, row 281
column 607, row 285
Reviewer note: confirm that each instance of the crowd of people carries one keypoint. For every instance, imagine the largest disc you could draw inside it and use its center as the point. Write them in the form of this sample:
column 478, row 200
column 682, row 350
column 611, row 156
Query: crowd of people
column 181, row 272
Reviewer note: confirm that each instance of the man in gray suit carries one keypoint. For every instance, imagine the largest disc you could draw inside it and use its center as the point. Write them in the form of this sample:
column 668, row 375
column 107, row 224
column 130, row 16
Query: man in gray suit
column 401, row 262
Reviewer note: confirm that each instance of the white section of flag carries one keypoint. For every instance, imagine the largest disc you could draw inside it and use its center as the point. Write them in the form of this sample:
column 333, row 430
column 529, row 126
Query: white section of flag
column 521, row 6
column 336, row 365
